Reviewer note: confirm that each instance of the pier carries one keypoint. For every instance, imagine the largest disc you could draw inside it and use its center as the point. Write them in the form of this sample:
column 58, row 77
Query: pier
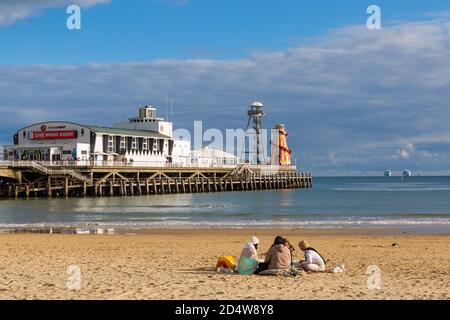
column 23, row 179
column 141, row 156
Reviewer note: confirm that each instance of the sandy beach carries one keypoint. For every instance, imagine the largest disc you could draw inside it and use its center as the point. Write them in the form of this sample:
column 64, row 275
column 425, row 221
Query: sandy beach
column 179, row 264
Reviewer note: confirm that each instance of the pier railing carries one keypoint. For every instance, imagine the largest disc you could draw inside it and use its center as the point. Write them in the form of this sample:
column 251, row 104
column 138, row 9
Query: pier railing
column 46, row 166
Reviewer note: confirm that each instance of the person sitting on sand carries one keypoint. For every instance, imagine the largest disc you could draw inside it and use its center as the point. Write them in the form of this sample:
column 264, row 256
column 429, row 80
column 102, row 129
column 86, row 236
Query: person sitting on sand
column 248, row 261
column 279, row 256
column 250, row 249
column 313, row 260
column 263, row 266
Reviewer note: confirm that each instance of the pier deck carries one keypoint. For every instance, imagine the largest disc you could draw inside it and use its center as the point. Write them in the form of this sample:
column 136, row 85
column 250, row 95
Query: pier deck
column 34, row 179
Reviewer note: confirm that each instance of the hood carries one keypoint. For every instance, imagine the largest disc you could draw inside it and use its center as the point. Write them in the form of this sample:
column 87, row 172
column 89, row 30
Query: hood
column 249, row 245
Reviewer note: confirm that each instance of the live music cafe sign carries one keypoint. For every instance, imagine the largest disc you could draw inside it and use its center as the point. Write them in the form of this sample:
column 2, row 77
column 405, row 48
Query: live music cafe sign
column 67, row 134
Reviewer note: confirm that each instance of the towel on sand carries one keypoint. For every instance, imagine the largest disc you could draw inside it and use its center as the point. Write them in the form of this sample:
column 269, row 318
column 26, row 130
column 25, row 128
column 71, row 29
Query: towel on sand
column 281, row 272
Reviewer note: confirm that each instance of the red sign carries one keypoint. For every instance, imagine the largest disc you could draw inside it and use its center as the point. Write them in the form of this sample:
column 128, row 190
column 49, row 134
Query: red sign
column 72, row 134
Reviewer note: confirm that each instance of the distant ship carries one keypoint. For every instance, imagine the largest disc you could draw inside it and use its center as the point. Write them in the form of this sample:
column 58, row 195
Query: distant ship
column 407, row 173
column 387, row 173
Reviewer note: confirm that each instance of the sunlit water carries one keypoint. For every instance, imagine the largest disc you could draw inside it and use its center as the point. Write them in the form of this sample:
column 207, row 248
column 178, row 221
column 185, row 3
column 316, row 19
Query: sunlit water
column 417, row 203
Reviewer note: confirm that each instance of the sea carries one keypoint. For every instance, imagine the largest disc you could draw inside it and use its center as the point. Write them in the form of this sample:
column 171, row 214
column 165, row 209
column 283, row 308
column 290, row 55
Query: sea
column 420, row 204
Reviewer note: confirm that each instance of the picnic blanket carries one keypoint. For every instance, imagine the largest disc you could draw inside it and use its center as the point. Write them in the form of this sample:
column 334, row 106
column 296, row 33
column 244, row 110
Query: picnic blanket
column 281, row 272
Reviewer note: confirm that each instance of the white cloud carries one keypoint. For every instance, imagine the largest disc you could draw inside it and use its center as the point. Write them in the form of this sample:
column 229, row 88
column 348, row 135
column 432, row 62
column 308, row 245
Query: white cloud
column 402, row 154
column 14, row 10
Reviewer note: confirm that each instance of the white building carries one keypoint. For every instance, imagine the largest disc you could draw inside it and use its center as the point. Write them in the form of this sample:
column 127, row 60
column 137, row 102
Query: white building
column 212, row 157
column 145, row 140
column 181, row 153
column 147, row 121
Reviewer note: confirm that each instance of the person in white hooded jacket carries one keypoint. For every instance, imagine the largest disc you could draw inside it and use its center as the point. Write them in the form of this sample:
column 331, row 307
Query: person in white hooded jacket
column 250, row 249
column 248, row 261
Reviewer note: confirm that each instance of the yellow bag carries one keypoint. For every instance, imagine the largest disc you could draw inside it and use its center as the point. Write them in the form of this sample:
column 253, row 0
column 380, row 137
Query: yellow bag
column 226, row 262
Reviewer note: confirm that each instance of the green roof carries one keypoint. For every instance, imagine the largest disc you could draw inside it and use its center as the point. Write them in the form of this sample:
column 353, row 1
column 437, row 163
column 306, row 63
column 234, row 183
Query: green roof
column 128, row 132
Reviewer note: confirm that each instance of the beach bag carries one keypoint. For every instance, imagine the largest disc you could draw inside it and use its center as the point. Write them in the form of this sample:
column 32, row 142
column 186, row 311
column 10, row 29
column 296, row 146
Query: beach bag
column 226, row 262
column 247, row 266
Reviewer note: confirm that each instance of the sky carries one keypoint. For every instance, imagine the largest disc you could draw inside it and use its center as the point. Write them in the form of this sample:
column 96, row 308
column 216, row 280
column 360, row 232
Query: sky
column 355, row 101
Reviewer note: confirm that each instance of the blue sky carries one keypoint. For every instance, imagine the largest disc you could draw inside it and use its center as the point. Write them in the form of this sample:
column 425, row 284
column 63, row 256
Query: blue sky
column 354, row 101
column 117, row 31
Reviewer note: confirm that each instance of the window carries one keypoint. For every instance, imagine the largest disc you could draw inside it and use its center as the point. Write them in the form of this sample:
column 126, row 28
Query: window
column 145, row 144
column 111, row 143
column 134, row 144
column 122, row 143
column 155, row 146
column 83, row 152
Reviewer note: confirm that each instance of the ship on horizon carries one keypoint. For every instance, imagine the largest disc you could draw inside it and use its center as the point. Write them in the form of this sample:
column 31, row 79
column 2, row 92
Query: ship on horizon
column 407, row 173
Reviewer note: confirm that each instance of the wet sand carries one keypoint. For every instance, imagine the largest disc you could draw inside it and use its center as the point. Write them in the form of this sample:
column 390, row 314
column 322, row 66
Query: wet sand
column 179, row 264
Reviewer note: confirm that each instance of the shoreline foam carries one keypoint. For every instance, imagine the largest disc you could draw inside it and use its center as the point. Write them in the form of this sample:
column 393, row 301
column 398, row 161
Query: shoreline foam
column 439, row 226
